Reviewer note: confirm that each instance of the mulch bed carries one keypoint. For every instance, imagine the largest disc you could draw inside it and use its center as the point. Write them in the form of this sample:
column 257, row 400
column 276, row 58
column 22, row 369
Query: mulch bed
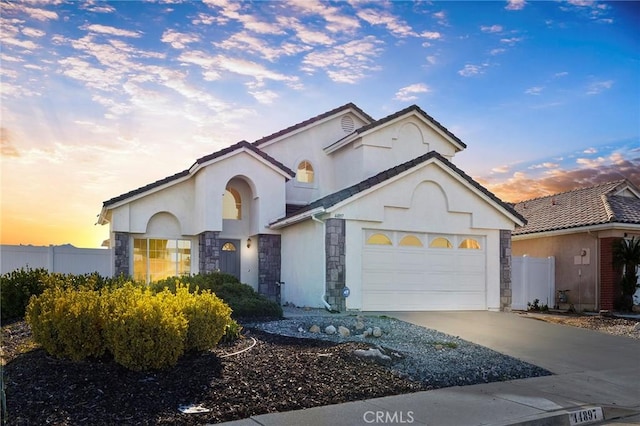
column 278, row 374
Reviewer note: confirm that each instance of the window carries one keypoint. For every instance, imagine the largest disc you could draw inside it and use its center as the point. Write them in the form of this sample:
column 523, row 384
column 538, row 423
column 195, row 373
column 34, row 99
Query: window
column 411, row 241
column 469, row 243
column 379, row 239
column 228, row 247
column 231, row 205
column 440, row 242
column 155, row 259
column 304, row 173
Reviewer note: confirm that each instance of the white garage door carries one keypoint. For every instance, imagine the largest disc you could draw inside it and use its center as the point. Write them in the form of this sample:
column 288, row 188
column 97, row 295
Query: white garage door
column 410, row 272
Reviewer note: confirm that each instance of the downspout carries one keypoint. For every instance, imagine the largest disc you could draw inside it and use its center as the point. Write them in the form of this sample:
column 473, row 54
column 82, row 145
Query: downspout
column 324, row 277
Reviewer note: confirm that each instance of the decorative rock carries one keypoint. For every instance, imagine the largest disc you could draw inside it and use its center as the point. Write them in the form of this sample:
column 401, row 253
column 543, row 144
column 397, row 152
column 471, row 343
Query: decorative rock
column 377, row 332
column 439, row 347
column 344, row 331
column 330, row 329
column 637, row 327
column 314, row 329
column 368, row 332
column 359, row 325
column 371, row 353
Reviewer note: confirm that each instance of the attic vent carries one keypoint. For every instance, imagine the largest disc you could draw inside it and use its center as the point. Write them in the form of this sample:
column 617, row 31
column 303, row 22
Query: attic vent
column 347, row 124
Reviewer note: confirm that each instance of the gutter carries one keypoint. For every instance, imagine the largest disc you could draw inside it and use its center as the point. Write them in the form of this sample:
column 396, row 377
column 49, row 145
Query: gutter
column 298, row 218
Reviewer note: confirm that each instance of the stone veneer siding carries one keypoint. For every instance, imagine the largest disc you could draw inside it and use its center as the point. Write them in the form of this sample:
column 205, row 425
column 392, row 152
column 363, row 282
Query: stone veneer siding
column 269, row 264
column 335, row 243
column 505, row 270
column 209, row 251
column 609, row 274
column 121, row 254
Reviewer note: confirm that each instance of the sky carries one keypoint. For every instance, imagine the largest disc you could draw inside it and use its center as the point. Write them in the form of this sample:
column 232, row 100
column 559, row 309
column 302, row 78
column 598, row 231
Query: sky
column 99, row 98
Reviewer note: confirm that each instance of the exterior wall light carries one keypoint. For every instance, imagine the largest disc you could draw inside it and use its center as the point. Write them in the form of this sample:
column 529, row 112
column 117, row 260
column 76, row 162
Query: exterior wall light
column 248, row 242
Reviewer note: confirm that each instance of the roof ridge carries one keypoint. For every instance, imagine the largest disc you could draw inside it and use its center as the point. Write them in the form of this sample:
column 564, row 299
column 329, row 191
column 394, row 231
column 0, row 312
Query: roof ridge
column 349, row 105
column 609, row 183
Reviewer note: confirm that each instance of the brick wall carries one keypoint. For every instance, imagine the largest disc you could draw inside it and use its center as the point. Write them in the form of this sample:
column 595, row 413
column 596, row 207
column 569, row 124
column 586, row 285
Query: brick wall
column 269, row 264
column 609, row 275
column 335, row 243
column 208, row 251
column 121, row 254
column 505, row 270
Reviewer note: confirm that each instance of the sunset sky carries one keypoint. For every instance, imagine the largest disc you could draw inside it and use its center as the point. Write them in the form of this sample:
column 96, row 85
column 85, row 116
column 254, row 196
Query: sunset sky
column 99, row 98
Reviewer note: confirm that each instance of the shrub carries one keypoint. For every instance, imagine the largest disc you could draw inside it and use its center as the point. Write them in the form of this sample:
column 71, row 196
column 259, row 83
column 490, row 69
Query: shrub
column 66, row 322
column 142, row 330
column 16, row 288
column 207, row 316
column 244, row 301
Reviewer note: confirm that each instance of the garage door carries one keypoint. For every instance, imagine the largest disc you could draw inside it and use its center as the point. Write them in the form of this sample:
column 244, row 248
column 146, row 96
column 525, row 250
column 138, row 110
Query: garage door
column 413, row 271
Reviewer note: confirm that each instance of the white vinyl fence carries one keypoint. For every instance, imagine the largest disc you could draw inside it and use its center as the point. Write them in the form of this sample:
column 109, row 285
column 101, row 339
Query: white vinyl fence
column 532, row 278
column 66, row 259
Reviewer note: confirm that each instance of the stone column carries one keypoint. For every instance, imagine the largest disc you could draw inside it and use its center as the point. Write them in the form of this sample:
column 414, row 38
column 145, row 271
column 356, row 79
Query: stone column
column 121, row 254
column 505, row 270
column 335, row 243
column 269, row 264
column 208, row 252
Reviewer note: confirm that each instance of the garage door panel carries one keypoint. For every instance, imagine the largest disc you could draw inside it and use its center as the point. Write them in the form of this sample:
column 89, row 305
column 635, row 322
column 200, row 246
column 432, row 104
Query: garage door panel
column 423, row 278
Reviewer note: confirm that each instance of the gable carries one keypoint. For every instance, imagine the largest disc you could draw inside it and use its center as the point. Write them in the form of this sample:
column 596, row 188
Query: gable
column 362, row 200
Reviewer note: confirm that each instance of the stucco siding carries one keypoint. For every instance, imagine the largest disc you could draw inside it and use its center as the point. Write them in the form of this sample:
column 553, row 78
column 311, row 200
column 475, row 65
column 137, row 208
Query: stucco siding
column 574, row 271
column 303, row 264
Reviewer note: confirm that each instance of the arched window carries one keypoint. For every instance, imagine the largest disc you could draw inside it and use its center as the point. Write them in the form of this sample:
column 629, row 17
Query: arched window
column 411, row 241
column 228, row 247
column 440, row 242
column 469, row 243
column 231, row 204
column 304, row 174
column 379, row 239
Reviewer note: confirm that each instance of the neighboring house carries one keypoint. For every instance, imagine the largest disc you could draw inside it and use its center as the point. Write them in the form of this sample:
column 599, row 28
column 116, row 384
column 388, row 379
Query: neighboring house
column 340, row 210
column 579, row 229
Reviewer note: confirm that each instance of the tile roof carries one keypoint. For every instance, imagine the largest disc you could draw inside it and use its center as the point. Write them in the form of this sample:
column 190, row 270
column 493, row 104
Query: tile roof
column 199, row 161
column 581, row 207
column 339, row 196
column 311, row 120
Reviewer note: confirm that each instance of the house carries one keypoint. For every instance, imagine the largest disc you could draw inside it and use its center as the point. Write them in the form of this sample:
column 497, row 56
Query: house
column 340, row 211
column 579, row 229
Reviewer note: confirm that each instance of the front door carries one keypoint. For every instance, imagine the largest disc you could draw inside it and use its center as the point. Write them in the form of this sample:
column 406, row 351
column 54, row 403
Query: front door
column 230, row 257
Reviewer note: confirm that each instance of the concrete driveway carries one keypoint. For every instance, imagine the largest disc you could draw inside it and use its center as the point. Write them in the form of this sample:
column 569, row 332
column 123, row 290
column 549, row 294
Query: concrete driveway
column 560, row 349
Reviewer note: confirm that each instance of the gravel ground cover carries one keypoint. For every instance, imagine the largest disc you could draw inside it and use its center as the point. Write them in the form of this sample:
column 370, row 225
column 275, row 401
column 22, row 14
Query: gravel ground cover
column 419, row 354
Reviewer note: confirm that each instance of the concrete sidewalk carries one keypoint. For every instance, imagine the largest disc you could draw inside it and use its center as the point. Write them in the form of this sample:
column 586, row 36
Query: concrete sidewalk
column 591, row 370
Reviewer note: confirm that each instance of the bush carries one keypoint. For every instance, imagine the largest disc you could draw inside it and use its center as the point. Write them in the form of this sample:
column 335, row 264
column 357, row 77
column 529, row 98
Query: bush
column 143, row 330
column 207, row 316
column 66, row 322
column 16, row 288
column 244, row 301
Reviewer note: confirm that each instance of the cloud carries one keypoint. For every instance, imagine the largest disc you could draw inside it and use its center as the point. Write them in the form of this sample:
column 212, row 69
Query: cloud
column 245, row 42
column 396, row 26
column 599, row 87
column 470, row 70
column 335, row 20
column 511, row 41
column 441, row 16
column 590, row 151
column 431, row 35
column 32, row 32
column 591, row 163
column 515, row 4
column 561, row 74
column 497, row 51
column 535, row 90
column 109, row 30
column 265, row 96
column 178, row 40
column 491, row 29
column 545, row 165
column 345, row 63
column 501, row 169
column 7, row 149
column 408, row 93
